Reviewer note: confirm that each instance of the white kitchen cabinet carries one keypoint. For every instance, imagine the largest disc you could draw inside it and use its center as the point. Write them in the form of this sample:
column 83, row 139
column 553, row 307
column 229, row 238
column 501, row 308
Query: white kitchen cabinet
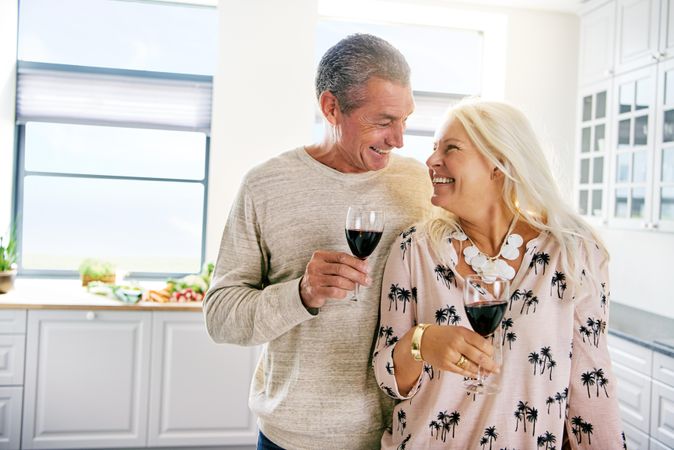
column 10, row 417
column 597, row 42
column 662, row 413
column 12, row 321
column 198, row 391
column 645, row 396
column 12, row 351
column 637, row 33
column 634, row 438
column 87, row 375
column 666, row 28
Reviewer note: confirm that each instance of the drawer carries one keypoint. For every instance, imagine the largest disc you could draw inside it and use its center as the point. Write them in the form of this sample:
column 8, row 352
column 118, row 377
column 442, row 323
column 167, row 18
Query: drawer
column 12, row 321
column 12, row 349
column 655, row 445
column 662, row 414
column 631, row 355
column 634, row 397
column 635, row 439
column 10, row 419
column 663, row 368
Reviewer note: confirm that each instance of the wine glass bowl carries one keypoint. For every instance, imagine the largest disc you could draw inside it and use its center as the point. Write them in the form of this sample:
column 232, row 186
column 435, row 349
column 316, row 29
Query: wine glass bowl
column 485, row 300
column 363, row 229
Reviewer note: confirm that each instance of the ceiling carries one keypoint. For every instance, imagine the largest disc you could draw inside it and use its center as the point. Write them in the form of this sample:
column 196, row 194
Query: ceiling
column 566, row 6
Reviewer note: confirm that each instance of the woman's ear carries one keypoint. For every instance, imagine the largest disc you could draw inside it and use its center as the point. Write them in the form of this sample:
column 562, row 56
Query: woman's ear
column 329, row 107
column 495, row 174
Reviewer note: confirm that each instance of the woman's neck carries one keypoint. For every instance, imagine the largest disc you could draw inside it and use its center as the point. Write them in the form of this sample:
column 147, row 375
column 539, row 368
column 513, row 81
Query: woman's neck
column 488, row 230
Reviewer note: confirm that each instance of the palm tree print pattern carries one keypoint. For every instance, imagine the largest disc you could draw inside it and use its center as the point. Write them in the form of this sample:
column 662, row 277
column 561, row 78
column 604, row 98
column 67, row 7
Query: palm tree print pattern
column 594, row 327
column 548, row 395
column 528, row 299
column 401, row 294
column 542, row 259
column 558, row 281
column 596, row 378
column 444, row 423
column 446, row 275
column 579, row 427
column 447, row 315
column 406, row 240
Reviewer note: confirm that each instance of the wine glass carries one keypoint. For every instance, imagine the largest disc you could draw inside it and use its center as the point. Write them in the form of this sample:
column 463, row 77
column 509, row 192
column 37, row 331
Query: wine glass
column 485, row 300
column 364, row 227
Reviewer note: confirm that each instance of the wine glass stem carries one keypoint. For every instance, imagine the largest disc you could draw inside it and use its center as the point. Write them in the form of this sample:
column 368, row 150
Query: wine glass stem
column 355, row 293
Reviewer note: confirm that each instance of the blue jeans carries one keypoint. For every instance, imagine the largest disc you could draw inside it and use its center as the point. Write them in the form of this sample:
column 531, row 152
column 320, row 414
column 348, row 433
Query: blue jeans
column 265, row 444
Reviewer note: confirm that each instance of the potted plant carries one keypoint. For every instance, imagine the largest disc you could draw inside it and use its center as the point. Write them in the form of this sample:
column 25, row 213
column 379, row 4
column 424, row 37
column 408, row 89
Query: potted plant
column 97, row 270
column 7, row 262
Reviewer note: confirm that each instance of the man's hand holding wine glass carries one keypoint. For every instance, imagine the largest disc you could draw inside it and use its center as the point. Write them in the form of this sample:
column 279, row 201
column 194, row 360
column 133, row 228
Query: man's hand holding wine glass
column 332, row 275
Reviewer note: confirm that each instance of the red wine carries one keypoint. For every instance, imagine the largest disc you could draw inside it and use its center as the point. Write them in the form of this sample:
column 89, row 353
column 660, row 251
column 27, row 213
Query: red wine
column 485, row 317
column 362, row 242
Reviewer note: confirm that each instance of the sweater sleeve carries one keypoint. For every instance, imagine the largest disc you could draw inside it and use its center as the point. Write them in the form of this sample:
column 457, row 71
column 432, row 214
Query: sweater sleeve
column 241, row 307
column 593, row 416
column 397, row 316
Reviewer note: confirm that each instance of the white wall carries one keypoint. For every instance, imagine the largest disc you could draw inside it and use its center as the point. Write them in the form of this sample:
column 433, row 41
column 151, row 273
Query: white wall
column 8, row 29
column 260, row 110
column 263, row 94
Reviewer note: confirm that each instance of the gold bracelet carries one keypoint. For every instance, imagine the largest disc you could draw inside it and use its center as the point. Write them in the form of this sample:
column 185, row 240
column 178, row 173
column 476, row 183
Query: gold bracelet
column 416, row 341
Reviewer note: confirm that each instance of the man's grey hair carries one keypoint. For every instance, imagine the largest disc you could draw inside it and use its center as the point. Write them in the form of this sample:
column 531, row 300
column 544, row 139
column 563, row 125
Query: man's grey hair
column 347, row 66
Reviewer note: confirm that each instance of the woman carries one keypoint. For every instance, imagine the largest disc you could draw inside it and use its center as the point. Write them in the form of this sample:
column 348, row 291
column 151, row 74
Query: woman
column 490, row 176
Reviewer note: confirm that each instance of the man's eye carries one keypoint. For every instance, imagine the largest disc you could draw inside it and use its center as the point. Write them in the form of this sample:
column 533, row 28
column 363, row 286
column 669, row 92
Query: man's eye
column 384, row 124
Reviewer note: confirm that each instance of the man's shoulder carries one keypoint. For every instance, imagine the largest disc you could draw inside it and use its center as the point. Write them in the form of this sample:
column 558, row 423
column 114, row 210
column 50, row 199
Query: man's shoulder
column 407, row 165
column 278, row 165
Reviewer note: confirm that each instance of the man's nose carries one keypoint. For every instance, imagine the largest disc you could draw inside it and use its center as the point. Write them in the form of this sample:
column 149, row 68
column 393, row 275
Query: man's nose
column 395, row 138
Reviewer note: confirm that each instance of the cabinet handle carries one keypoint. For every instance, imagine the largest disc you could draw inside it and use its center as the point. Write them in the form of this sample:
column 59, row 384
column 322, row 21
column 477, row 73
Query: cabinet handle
column 654, row 226
column 655, row 56
column 608, row 73
column 90, row 315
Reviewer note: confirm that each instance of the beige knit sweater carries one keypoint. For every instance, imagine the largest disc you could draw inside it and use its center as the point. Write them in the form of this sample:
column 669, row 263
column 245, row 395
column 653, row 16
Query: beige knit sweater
column 314, row 387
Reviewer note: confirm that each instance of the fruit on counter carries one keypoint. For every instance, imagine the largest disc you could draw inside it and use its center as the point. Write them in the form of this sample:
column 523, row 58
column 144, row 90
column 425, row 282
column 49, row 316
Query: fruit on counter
column 127, row 294
column 190, row 288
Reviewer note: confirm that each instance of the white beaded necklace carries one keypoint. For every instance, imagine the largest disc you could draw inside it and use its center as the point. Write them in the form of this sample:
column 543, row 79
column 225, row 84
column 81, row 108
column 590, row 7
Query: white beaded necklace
column 491, row 267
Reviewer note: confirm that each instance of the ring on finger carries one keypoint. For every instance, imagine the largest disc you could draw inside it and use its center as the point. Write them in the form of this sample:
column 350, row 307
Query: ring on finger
column 461, row 362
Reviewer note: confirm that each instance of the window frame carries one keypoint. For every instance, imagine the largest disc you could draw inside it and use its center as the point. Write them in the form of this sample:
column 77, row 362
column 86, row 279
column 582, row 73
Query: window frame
column 21, row 173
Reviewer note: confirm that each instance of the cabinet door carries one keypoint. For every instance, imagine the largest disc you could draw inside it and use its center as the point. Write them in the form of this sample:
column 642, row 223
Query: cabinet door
column 198, row 391
column 10, row 418
column 632, row 367
column 666, row 28
column 637, row 34
column 663, row 172
column 597, row 35
column 86, row 379
column 11, row 359
column 635, row 439
column 634, row 106
column 662, row 413
column 663, row 368
column 593, row 144
column 12, row 321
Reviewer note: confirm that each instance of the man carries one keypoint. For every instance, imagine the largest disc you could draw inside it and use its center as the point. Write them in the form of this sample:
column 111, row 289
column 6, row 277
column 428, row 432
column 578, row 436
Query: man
column 284, row 274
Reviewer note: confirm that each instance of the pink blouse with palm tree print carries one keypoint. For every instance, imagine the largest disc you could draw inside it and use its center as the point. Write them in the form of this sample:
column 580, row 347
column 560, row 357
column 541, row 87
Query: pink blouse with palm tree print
column 556, row 371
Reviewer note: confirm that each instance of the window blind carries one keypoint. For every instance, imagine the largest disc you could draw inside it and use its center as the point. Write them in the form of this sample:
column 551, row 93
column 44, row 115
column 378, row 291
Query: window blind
column 57, row 93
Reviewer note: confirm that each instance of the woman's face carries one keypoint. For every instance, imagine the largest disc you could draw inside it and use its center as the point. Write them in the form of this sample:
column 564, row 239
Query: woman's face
column 464, row 181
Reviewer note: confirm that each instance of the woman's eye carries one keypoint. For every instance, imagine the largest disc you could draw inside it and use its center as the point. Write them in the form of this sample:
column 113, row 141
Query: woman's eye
column 449, row 148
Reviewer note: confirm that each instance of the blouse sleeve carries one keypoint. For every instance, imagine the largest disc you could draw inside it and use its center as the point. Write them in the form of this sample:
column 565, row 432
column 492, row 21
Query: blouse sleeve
column 593, row 419
column 397, row 316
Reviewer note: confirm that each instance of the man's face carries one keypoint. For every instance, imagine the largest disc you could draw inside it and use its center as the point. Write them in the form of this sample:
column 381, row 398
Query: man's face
column 366, row 136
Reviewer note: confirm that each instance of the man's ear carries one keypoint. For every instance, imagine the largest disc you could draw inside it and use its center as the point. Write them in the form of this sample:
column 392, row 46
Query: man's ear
column 329, row 107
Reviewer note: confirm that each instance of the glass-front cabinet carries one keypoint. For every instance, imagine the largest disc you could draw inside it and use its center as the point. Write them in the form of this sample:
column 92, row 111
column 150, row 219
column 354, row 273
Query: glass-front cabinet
column 593, row 150
column 634, row 119
column 624, row 173
column 663, row 177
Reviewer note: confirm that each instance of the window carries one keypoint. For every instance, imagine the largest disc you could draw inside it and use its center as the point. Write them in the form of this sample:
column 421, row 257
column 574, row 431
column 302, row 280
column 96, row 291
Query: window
column 436, row 82
column 113, row 134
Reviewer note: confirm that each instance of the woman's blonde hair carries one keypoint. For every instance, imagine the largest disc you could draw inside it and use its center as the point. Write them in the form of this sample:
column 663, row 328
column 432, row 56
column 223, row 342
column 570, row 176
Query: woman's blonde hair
column 505, row 137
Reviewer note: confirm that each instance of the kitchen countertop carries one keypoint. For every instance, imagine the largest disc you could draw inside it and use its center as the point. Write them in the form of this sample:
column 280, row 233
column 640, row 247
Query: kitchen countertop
column 642, row 327
column 49, row 293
